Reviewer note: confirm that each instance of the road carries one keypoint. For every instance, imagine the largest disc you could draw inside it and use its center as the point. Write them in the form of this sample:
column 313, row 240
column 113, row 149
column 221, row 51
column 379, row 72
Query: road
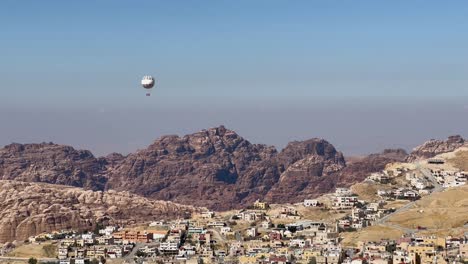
column 404, row 208
column 437, row 188
column 403, row 229
column 428, row 174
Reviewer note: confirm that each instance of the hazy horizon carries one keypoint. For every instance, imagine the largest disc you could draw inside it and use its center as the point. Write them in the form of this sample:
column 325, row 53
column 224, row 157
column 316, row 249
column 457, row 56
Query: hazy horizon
column 355, row 126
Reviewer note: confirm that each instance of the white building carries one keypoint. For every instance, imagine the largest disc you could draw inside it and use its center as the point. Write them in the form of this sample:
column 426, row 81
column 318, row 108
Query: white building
column 420, row 184
column 343, row 192
column 62, row 252
column 379, row 177
column 250, row 216
column 157, row 223
column 80, row 261
column 299, row 243
column 252, row 232
column 266, row 224
column 87, row 236
column 169, row 248
column 188, row 250
column 345, row 202
column 373, row 207
column 311, row 203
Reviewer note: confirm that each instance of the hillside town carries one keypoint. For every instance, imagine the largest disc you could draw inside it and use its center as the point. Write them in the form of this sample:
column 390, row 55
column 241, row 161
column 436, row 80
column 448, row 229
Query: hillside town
column 263, row 233
column 210, row 239
column 301, row 242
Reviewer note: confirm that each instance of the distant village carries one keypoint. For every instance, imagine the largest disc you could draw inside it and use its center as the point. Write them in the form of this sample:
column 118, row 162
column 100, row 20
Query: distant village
column 259, row 234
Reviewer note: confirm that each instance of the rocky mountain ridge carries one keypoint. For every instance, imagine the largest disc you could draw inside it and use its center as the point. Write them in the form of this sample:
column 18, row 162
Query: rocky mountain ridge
column 51, row 163
column 220, row 169
column 359, row 170
column 215, row 168
column 32, row 208
column 434, row 147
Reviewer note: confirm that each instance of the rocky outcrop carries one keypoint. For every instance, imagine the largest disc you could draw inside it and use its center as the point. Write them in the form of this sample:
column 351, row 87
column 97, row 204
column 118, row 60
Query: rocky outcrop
column 359, row 170
column 435, row 147
column 32, row 208
column 51, row 163
column 219, row 169
column 308, row 169
column 215, row 168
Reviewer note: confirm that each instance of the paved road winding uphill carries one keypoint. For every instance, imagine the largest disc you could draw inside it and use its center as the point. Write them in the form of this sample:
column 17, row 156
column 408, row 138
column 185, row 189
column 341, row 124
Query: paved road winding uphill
column 437, row 188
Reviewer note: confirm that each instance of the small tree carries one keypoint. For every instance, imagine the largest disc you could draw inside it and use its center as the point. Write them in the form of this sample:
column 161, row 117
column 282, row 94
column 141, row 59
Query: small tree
column 292, row 229
column 32, row 261
column 94, row 261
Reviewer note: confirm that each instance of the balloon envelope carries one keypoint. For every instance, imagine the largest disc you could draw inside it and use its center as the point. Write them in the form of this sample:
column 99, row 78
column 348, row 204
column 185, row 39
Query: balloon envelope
column 147, row 82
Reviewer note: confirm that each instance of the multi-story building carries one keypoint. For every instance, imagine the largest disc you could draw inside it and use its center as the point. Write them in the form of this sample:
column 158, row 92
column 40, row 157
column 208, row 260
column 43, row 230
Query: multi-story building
column 311, row 203
column 345, row 202
column 63, row 252
column 169, row 248
column 132, row 236
column 343, row 192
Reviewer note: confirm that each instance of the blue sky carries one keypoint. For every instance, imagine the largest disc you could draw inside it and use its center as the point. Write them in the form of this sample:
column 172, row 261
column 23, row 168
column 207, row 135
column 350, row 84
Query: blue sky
column 96, row 51
column 72, row 55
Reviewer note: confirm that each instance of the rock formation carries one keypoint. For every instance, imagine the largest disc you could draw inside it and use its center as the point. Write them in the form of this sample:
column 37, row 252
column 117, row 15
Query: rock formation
column 359, row 170
column 308, row 169
column 219, row 169
column 215, row 168
column 32, row 208
column 435, row 147
column 51, row 163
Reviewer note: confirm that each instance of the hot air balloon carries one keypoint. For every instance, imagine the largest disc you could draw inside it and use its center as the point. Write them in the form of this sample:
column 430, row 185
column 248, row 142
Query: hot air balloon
column 148, row 83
